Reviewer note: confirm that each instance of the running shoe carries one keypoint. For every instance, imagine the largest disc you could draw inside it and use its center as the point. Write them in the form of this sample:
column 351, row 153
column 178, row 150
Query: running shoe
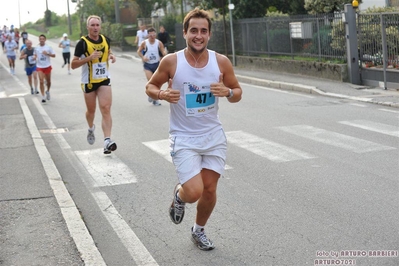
column 200, row 240
column 48, row 95
column 31, row 91
column 43, row 100
column 156, row 103
column 90, row 135
column 109, row 146
column 176, row 210
column 36, row 91
column 150, row 100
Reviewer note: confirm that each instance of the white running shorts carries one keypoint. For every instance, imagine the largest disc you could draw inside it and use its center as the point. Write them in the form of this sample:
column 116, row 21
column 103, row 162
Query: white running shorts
column 191, row 154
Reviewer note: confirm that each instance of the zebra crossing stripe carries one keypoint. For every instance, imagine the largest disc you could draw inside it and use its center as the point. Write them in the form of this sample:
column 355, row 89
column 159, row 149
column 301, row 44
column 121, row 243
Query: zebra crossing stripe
column 373, row 126
column 270, row 150
column 335, row 139
column 106, row 170
column 161, row 147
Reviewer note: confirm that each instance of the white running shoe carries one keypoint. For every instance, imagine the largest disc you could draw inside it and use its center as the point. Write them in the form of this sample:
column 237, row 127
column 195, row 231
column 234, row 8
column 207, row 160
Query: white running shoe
column 200, row 240
column 109, row 146
column 90, row 135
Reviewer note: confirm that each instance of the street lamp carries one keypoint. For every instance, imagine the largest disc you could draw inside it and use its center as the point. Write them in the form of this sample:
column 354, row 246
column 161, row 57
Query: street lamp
column 231, row 7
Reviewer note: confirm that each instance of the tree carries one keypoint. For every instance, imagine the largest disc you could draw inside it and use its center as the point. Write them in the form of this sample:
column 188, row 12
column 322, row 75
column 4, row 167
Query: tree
column 292, row 7
column 242, row 9
column 326, row 6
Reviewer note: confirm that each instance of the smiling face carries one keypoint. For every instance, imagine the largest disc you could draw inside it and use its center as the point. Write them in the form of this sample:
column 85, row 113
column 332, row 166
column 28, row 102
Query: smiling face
column 197, row 34
column 42, row 40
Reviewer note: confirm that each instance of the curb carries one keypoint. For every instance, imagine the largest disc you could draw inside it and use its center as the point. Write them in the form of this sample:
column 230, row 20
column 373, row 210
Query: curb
column 308, row 89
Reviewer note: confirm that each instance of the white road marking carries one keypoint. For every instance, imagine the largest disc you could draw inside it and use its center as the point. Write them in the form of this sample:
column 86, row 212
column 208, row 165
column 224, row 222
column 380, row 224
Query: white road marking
column 271, row 150
column 76, row 227
column 389, row 110
column 373, row 126
column 127, row 236
column 133, row 244
column 106, row 170
column 161, row 147
column 335, row 139
column 358, row 104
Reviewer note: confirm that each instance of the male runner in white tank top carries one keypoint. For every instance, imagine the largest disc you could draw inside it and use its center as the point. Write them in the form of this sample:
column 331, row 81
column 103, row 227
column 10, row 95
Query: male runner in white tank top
column 151, row 51
column 197, row 78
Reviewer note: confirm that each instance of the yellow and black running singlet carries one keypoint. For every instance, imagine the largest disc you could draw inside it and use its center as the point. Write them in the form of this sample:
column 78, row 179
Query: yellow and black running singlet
column 98, row 68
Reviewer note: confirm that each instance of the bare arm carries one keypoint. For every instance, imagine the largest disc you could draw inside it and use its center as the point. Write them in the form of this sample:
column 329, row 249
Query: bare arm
column 162, row 48
column 140, row 52
column 22, row 55
column 227, row 81
column 164, row 73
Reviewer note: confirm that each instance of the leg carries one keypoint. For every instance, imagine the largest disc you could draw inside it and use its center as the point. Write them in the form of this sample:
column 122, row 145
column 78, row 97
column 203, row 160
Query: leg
column 34, row 74
column 104, row 94
column 48, row 80
column 148, row 74
column 30, row 80
column 41, row 81
column 207, row 201
column 69, row 62
column 90, row 100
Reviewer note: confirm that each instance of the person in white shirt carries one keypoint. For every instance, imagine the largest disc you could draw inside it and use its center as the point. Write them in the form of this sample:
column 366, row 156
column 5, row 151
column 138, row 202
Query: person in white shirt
column 141, row 35
column 65, row 44
column 10, row 46
column 43, row 53
column 197, row 79
column 151, row 51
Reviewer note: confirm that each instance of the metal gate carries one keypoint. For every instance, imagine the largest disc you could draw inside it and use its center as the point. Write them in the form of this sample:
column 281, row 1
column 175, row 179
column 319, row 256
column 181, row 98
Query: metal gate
column 378, row 40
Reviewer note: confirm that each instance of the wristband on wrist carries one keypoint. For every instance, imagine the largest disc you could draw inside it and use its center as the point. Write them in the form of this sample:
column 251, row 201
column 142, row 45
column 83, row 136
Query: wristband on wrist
column 159, row 95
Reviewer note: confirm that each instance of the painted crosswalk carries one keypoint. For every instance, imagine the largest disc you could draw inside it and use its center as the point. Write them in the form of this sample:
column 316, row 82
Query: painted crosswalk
column 266, row 148
column 106, row 170
column 111, row 171
column 346, row 142
column 374, row 126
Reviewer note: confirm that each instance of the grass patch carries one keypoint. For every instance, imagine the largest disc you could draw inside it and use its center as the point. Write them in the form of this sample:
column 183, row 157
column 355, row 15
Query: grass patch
column 55, row 32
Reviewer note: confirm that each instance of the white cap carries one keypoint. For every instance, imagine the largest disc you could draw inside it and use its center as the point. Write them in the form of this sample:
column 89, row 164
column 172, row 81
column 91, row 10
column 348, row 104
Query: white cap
column 65, row 35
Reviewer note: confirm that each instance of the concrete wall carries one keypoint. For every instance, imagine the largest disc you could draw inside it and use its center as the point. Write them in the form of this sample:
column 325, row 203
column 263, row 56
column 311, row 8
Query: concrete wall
column 337, row 72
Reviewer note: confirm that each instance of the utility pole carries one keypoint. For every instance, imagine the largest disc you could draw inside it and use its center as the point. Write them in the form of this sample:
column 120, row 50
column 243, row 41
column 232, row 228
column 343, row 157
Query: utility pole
column 117, row 13
column 351, row 44
column 182, row 12
column 69, row 20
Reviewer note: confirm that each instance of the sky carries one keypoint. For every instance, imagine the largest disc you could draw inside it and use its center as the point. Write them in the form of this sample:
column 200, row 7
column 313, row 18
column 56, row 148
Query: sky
column 31, row 10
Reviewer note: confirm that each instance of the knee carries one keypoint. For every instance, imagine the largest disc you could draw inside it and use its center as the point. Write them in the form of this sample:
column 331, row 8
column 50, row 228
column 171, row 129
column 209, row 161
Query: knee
column 209, row 193
column 105, row 109
column 192, row 194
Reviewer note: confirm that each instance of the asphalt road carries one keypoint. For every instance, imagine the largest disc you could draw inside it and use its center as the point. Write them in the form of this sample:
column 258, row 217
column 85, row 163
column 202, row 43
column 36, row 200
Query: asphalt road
column 307, row 176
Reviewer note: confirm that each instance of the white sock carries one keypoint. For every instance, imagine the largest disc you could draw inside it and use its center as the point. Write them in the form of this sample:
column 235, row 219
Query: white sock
column 92, row 128
column 197, row 227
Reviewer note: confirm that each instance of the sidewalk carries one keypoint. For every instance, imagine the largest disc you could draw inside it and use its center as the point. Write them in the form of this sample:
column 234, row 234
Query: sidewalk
column 33, row 230
column 286, row 81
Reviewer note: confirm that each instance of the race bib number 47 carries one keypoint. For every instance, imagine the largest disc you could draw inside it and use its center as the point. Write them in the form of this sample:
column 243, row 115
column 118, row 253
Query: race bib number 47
column 199, row 99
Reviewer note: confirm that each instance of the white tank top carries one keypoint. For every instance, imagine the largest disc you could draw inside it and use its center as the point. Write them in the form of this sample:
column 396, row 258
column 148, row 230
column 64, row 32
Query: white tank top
column 196, row 113
column 152, row 52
